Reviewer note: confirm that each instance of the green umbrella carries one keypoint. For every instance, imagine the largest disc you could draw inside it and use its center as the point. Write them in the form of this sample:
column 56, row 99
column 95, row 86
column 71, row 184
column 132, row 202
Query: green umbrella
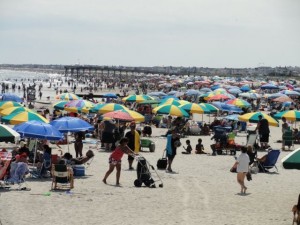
column 292, row 160
column 291, row 115
column 8, row 134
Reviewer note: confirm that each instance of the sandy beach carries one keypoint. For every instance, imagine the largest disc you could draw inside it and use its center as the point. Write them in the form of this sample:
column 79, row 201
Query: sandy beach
column 200, row 191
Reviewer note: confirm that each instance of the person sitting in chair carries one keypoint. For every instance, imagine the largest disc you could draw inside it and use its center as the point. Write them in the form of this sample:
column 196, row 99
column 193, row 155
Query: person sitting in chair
column 69, row 160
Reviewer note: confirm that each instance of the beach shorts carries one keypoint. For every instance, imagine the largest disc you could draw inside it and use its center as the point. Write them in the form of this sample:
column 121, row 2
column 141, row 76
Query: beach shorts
column 170, row 157
column 113, row 161
column 264, row 138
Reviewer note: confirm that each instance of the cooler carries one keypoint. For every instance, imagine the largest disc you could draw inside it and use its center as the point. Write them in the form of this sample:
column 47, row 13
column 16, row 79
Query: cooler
column 79, row 170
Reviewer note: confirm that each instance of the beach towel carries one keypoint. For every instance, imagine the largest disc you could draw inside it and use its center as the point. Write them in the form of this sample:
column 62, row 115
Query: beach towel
column 18, row 172
column 169, row 147
column 137, row 143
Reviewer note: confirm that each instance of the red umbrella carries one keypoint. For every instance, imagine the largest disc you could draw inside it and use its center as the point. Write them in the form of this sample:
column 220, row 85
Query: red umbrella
column 218, row 97
column 118, row 115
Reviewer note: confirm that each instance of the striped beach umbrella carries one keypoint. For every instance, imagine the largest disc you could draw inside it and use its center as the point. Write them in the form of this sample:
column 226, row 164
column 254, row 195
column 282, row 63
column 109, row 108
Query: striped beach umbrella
column 7, row 104
column 21, row 117
column 79, row 106
column 218, row 97
column 67, row 96
column 170, row 101
column 220, row 91
column 137, row 98
column 238, row 102
column 253, row 118
column 11, row 110
column 109, row 107
column 210, row 107
column 194, row 108
column 7, row 134
column 60, row 105
column 135, row 115
column 173, row 110
column 291, row 115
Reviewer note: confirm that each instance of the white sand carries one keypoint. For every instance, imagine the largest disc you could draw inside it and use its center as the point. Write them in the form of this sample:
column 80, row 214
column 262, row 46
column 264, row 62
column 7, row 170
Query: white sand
column 203, row 191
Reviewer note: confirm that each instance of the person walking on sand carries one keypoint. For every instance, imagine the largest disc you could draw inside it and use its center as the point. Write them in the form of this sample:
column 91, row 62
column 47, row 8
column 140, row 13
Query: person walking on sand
column 133, row 142
column 173, row 141
column 115, row 159
column 242, row 168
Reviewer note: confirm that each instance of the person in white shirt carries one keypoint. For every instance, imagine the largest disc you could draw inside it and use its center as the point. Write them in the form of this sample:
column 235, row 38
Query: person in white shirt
column 242, row 168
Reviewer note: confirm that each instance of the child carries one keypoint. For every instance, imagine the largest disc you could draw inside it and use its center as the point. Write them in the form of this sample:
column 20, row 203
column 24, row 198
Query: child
column 199, row 147
column 188, row 148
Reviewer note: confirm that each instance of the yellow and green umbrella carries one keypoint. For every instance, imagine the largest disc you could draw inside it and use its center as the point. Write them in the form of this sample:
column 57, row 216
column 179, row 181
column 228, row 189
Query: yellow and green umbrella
column 109, row 107
column 211, row 108
column 135, row 115
column 60, row 105
column 173, row 110
column 253, row 118
column 182, row 102
column 8, row 104
column 170, row 101
column 67, row 96
column 79, row 106
column 291, row 115
column 11, row 110
column 194, row 108
column 21, row 117
column 137, row 98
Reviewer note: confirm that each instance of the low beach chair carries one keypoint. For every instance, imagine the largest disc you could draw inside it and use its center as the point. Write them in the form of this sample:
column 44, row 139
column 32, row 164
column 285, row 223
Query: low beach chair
column 62, row 174
column 270, row 161
column 287, row 139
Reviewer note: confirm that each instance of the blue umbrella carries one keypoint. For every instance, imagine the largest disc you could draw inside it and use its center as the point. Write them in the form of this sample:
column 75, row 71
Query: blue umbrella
column 245, row 88
column 276, row 95
column 234, row 91
column 11, row 97
column 71, row 124
column 227, row 107
column 109, row 95
column 39, row 130
column 167, row 97
column 214, row 87
column 232, row 117
column 157, row 93
column 205, row 90
column 269, row 86
column 192, row 92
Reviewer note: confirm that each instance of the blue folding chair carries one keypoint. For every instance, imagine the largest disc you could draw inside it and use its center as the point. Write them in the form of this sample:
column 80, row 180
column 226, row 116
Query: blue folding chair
column 270, row 162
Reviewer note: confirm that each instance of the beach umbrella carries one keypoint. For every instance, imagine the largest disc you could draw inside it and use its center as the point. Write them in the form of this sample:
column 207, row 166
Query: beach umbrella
column 109, row 95
column 157, row 94
column 292, row 160
column 60, row 105
column 291, row 115
column 67, row 96
column 205, row 90
column 250, row 95
column 214, row 87
column 182, row 102
column 218, row 97
column 297, row 89
column 173, row 110
column 39, row 130
column 232, row 117
column 109, row 107
column 79, row 106
column 135, row 115
column 11, row 97
column 290, row 93
column 276, row 95
column 118, row 115
column 7, row 134
column 169, row 97
column 253, row 118
column 170, row 101
column 269, row 86
column 210, row 107
column 194, row 108
column 283, row 99
column 239, row 103
column 21, row 117
column 11, row 110
column 234, row 91
column 8, row 104
column 137, row 98
column 192, row 92
column 245, row 88
column 71, row 124
column 220, row 91
column 227, row 107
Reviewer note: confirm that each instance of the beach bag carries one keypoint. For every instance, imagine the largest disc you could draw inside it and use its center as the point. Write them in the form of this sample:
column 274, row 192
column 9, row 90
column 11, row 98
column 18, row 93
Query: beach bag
column 249, row 176
column 254, row 169
column 162, row 162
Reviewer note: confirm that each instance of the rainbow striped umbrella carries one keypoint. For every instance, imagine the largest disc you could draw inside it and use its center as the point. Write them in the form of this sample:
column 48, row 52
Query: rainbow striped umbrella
column 253, row 118
column 7, row 104
column 194, row 108
column 137, row 98
column 11, row 110
column 220, row 91
column 135, row 115
column 21, row 117
column 109, row 107
column 67, row 96
column 79, row 106
column 60, row 105
column 238, row 102
column 210, row 107
column 170, row 109
column 291, row 115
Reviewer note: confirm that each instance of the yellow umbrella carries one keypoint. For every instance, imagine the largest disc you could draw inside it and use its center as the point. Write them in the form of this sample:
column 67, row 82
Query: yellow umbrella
column 11, row 110
column 253, row 118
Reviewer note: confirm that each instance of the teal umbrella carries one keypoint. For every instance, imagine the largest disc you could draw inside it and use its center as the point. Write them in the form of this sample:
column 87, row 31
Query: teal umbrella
column 291, row 115
column 292, row 160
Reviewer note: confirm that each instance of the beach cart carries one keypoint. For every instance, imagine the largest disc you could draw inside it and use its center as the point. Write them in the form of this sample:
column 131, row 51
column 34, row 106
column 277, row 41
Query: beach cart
column 146, row 143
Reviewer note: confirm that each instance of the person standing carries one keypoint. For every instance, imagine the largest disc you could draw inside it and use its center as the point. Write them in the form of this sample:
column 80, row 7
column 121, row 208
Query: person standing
column 242, row 168
column 263, row 131
column 108, row 134
column 173, row 141
column 115, row 160
column 134, row 140
column 78, row 145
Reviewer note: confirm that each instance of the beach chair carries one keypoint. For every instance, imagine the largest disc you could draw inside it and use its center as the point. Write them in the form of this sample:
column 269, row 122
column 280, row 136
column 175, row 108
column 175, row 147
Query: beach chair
column 62, row 174
column 270, row 162
column 252, row 140
column 287, row 139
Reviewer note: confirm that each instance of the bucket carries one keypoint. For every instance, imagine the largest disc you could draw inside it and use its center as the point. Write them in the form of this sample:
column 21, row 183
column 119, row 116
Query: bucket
column 79, row 170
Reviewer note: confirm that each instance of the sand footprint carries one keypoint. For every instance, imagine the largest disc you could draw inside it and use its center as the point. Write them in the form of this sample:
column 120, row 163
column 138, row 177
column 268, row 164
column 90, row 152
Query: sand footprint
column 185, row 201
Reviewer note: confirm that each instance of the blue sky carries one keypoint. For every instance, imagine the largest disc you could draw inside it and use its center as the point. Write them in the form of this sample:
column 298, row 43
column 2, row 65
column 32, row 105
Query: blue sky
column 207, row 33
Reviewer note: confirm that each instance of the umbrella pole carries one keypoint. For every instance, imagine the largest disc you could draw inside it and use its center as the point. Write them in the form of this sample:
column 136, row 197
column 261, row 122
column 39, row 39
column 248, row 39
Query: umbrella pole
column 35, row 149
column 68, row 143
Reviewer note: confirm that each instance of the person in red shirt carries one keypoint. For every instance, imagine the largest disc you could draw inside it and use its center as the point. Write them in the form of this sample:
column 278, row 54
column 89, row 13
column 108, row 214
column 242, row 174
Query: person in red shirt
column 115, row 159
